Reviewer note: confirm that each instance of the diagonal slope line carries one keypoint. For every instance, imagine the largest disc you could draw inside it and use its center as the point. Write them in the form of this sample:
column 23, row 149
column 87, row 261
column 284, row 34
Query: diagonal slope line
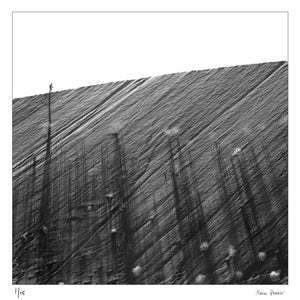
column 245, row 95
column 78, row 124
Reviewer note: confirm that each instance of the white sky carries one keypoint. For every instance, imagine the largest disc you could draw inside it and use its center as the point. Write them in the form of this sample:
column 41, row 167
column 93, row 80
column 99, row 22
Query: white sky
column 79, row 49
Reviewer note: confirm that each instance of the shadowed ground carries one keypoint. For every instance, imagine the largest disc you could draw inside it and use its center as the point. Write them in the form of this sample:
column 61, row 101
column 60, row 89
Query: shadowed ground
column 140, row 184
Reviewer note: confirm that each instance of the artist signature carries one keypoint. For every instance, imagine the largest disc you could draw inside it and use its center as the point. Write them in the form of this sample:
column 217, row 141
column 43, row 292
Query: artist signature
column 269, row 293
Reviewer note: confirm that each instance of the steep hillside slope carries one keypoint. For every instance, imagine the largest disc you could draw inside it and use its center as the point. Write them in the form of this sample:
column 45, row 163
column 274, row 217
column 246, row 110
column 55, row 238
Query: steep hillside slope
column 140, row 176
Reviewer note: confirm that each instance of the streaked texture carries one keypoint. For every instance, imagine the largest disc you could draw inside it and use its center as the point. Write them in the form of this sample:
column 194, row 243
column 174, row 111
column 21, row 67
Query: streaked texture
column 180, row 178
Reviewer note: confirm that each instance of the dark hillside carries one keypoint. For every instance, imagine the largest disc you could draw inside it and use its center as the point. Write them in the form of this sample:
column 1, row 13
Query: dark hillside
column 180, row 178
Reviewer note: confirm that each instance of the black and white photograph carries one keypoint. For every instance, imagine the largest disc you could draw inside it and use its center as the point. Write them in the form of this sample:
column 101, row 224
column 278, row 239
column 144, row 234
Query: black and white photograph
column 175, row 176
column 150, row 150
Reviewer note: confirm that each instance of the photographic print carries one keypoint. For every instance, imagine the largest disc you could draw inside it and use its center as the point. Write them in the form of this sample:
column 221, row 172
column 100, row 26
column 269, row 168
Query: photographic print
column 178, row 176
